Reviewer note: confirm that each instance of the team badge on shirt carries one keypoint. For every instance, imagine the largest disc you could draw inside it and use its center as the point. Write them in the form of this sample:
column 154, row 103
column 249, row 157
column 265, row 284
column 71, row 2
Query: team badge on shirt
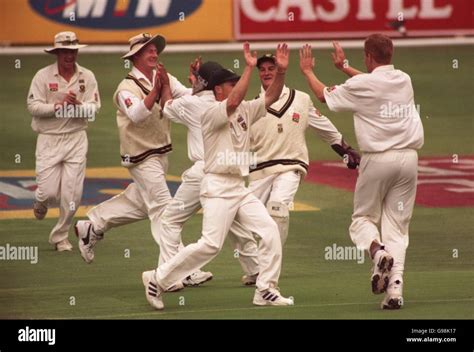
column 128, row 102
column 296, row 117
column 242, row 123
column 53, row 87
column 82, row 86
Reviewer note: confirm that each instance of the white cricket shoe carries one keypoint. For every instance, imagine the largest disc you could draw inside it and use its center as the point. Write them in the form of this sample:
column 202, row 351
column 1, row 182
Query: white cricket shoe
column 153, row 292
column 383, row 263
column 197, row 278
column 64, row 245
column 249, row 280
column 393, row 298
column 87, row 239
column 40, row 210
column 271, row 297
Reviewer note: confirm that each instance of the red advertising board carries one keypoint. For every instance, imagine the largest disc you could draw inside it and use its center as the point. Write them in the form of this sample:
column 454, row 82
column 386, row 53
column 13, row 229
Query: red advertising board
column 313, row 19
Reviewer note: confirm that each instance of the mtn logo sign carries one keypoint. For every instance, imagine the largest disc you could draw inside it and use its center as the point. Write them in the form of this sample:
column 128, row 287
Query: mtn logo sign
column 115, row 14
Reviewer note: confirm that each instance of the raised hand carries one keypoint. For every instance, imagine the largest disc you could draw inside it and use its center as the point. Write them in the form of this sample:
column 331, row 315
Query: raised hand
column 307, row 61
column 282, row 57
column 162, row 74
column 194, row 69
column 338, row 56
column 250, row 58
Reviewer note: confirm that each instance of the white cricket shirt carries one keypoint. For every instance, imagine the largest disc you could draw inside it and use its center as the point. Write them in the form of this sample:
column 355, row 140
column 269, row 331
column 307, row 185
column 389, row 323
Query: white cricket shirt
column 134, row 107
column 385, row 116
column 188, row 111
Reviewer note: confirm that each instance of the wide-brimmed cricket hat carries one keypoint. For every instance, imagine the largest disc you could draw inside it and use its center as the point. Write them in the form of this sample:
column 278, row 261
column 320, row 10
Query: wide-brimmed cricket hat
column 143, row 39
column 65, row 40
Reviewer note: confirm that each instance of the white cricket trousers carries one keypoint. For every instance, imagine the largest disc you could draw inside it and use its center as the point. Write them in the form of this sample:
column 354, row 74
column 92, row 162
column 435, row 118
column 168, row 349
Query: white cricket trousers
column 185, row 203
column 385, row 195
column 60, row 171
column 219, row 213
column 146, row 197
column 279, row 188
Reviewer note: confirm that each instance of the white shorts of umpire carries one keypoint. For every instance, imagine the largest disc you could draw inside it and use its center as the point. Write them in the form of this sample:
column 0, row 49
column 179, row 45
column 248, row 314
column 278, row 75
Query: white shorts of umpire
column 281, row 215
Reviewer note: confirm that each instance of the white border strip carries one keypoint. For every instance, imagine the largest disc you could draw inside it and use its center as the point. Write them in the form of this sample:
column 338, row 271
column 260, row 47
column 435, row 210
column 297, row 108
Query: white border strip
column 236, row 46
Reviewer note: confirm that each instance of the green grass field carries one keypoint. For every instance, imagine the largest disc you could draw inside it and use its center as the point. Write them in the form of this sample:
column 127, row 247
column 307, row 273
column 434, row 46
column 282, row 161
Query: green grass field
column 437, row 286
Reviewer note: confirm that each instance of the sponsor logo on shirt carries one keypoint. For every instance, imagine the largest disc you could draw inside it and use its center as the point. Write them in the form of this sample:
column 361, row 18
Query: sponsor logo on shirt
column 330, row 89
column 53, row 87
column 296, row 117
column 128, row 102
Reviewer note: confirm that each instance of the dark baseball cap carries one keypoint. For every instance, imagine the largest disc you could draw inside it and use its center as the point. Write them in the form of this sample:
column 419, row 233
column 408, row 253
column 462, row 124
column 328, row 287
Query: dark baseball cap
column 205, row 73
column 222, row 76
column 266, row 58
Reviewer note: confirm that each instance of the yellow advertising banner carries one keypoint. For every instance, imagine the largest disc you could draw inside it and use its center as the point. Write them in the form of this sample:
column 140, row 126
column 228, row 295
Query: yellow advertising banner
column 114, row 21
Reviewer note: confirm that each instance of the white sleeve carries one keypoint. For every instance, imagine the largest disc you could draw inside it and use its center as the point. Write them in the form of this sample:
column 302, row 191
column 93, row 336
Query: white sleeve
column 177, row 88
column 344, row 97
column 183, row 110
column 36, row 100
column 256, row 109
column 132, row 106
column 91, row 100
column 323, row 127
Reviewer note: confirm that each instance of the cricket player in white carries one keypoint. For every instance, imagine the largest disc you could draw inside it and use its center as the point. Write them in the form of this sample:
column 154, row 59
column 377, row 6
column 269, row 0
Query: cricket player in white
column 225, row 129
column 389, row 133
column 188, row 110
column 62, row 98
column 280, row 165
column 144, row 144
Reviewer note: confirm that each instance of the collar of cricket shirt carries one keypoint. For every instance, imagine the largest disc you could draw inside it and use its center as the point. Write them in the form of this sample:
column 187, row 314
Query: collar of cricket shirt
column 284, row 91
column 384, row 68
column 139, row 75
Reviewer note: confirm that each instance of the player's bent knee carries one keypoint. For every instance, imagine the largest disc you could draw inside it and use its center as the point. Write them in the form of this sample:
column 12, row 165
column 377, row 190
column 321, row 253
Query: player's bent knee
column 208, row 247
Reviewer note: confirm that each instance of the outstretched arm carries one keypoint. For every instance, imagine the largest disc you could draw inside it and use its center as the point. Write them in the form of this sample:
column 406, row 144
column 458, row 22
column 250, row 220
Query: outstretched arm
column 240, row 89
column 282, row 57
column 339, row 59
column 307, row 64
